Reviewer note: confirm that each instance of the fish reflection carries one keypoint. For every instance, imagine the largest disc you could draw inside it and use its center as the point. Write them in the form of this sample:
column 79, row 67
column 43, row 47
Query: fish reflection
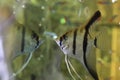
column 23, row 41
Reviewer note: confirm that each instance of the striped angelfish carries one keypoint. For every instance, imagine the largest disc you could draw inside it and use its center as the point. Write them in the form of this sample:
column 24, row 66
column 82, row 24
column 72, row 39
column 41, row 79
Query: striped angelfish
column 77, row 43
column 21, row 40
column 16, row 39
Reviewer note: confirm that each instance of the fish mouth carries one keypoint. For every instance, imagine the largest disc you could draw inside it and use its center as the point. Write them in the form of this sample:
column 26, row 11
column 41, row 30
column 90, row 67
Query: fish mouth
column 57, row 41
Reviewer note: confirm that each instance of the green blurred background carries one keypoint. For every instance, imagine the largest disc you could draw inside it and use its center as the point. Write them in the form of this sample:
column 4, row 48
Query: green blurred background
column 59, row 16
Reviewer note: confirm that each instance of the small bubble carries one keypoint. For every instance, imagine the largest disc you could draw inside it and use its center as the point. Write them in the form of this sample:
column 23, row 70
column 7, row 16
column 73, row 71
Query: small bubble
column 119, row 68
column 86, row 77
column 14, row 74
column 38, row 58
column 14, row 12
column 43, row 7
column 23, row 6
column 17, row 0
column 40, row 24
column 79, row 13
column 87, row 11
column 41, row 56
column 119, row 23
column 53, row 11
column 113, row 1
column 80, row 0
column 14, row 7
column 43, row 19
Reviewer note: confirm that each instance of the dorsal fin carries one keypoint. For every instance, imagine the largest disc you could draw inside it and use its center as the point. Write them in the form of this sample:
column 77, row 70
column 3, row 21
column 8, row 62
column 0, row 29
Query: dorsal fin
column 92, row 20
column 96, row 15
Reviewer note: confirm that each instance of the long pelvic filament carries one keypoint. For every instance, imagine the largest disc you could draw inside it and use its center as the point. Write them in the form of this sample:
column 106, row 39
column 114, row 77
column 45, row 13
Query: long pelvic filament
column 68, row 67
column 74, row 69
column 23, row 67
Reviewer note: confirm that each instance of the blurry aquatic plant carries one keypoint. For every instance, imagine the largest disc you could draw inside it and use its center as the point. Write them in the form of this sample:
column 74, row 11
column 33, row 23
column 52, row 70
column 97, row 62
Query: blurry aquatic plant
column 19, row 39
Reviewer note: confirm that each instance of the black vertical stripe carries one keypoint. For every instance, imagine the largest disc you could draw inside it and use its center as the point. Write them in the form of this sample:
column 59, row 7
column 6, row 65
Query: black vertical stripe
column 93, row 74
column 95, row 42
column 93, row 19
column 64, row 37
column 85, row 43
column 74, row 41
column 23, row 39
column 36, row 37
column 61, row 40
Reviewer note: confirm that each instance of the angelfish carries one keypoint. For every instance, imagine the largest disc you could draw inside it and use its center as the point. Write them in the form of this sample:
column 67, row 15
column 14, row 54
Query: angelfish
column 77, row 43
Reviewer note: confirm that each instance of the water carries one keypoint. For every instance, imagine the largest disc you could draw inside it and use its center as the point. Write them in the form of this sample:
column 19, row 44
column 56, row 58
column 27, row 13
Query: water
column 55, row 18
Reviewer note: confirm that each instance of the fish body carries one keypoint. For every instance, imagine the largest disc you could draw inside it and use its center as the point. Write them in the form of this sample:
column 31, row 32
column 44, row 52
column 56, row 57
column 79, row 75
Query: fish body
column 72, row 49
column 15, row 39
column 22, row 39
column 78, row 42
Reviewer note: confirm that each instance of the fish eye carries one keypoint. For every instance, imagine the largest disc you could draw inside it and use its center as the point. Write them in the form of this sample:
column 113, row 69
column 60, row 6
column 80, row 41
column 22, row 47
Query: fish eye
column 65, row 37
